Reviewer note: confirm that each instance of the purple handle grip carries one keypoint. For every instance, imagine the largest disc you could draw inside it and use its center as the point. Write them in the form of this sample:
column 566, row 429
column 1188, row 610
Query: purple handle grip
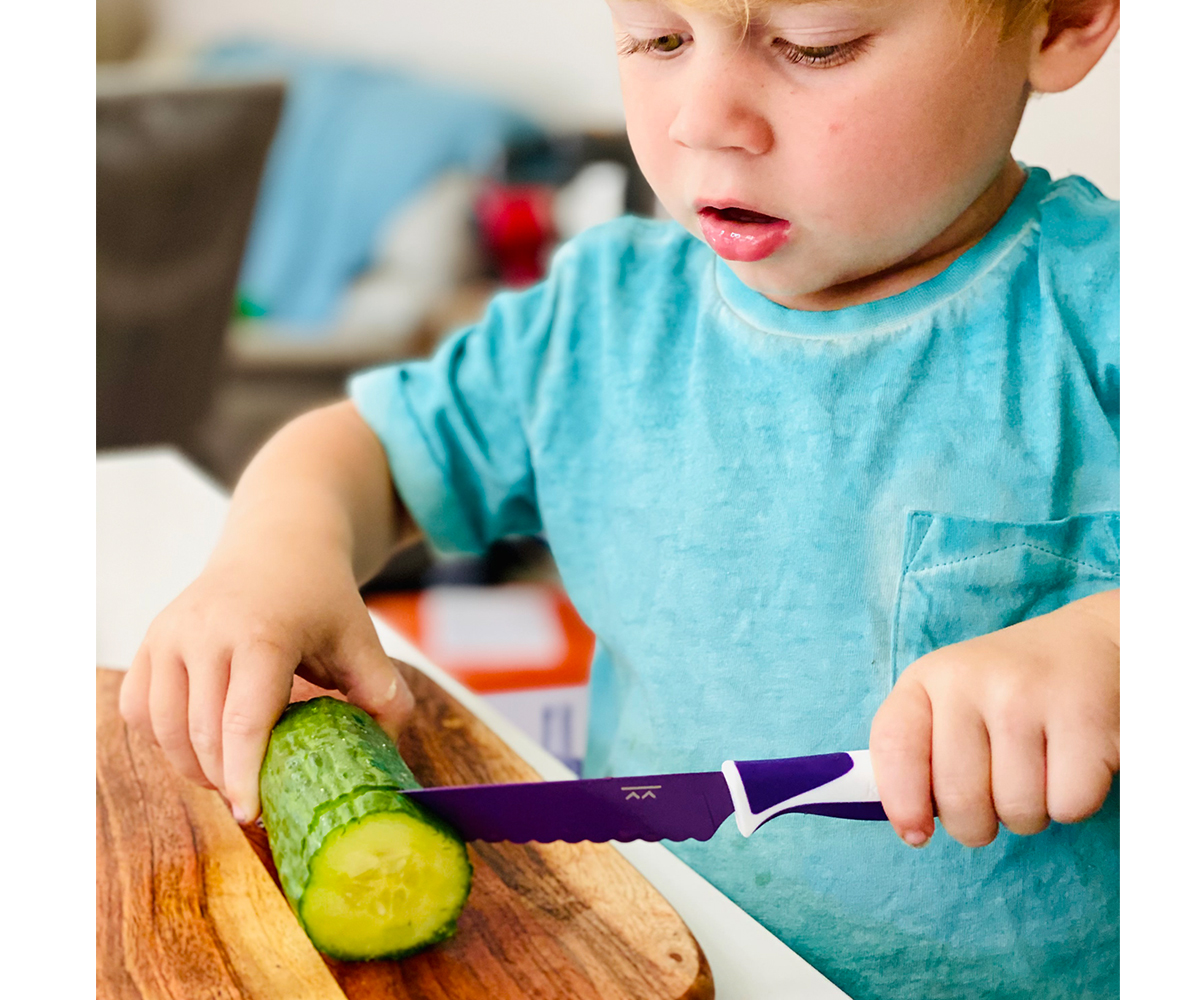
column 831, row 784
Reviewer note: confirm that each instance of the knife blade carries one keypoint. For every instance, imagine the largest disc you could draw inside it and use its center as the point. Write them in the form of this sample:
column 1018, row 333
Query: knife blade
column 687, row 806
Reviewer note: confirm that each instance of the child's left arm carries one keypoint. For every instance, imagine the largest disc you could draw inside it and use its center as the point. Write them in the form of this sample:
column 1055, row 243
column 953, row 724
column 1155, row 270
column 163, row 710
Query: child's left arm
column 1020, row 726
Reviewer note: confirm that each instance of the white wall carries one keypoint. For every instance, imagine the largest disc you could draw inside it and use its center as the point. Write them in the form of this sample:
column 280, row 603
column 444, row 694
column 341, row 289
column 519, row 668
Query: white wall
column 554, row 58
column 1078, row 132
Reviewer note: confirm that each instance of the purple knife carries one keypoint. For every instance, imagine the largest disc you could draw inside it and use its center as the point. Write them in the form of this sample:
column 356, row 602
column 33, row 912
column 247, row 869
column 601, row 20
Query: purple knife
column 661, row 806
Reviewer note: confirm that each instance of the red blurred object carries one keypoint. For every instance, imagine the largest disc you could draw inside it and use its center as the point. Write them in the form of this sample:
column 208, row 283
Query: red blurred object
column 516, row 228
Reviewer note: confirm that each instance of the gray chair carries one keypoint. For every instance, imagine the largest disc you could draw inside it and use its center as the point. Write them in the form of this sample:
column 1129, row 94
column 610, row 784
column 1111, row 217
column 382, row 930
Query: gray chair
column 177, row 178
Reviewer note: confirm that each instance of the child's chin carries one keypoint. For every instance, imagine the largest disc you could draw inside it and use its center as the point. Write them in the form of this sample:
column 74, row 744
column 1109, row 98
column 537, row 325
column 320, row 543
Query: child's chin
column 776, row 279
column 780, row 277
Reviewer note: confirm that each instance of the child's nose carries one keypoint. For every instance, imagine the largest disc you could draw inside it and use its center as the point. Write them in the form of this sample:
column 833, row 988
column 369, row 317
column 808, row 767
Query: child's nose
column 719, row 112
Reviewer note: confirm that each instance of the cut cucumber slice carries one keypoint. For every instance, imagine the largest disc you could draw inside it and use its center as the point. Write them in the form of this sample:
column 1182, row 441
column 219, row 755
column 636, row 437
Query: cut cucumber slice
column 369, row 873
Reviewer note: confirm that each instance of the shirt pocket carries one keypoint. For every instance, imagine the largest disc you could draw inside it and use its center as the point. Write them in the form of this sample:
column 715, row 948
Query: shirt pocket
column 964, row 576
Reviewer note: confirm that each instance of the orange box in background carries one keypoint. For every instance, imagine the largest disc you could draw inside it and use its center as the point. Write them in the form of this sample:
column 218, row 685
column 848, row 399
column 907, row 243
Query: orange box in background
column 522, row 647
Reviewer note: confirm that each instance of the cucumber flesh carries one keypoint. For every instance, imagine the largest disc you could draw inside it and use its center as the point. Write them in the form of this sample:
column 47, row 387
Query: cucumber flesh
column 383, row 885
column 369, row 873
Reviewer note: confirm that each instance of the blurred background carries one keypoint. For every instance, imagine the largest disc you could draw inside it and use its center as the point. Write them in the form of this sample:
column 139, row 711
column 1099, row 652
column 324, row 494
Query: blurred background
column 291, row 190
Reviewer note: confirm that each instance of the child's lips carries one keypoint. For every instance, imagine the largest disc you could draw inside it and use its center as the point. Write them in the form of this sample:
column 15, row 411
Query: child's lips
column 742, row 234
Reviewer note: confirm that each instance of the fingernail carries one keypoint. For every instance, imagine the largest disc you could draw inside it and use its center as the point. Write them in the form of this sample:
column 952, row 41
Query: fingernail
column 238, row 815
column 915, row 838
column 391, row 691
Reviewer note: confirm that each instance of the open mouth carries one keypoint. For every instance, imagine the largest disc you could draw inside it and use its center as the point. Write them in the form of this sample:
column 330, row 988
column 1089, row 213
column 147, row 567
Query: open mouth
column 740, row 215
column 742, row 234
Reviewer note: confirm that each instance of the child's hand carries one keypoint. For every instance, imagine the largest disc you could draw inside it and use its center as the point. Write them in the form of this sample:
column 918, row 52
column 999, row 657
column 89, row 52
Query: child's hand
column 1020, row 726
column 215, row 670
column 314, row 513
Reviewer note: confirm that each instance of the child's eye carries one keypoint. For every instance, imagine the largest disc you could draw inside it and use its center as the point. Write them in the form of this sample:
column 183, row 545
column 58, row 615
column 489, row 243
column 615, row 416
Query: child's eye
column 663, row 44
column 820, row 55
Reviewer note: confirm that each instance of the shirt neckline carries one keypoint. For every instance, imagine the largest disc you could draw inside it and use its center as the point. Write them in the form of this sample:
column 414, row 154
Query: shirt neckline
column 897, row 310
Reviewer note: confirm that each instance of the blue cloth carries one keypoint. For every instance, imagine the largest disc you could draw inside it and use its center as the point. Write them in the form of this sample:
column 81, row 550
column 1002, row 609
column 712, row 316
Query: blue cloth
column 766, row 515
column 354, row 143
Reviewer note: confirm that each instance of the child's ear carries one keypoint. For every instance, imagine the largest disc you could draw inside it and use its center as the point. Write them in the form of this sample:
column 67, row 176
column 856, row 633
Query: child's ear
column 1070, row 41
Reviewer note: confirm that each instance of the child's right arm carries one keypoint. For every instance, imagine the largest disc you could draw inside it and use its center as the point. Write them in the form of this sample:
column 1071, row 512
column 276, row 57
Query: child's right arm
column 314, row 515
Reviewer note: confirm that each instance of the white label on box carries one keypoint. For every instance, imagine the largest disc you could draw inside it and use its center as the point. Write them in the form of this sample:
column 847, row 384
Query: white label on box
column 491, row 627
column 554, row 716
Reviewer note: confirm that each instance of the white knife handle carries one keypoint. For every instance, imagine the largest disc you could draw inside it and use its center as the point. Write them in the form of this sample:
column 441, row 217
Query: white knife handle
column 831, row 784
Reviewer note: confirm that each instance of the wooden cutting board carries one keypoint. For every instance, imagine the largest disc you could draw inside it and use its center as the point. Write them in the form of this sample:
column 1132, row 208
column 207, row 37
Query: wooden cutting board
column 189, row 907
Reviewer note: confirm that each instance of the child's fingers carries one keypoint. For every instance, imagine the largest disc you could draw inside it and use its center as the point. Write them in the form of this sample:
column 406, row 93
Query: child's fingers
column 900, row 752
column 135, row 694
column 1078, row 775
column 369, row 679
column 962, row 778
column 1019, row 776
column 208, row 680
column 169, row 716
column 260, row 681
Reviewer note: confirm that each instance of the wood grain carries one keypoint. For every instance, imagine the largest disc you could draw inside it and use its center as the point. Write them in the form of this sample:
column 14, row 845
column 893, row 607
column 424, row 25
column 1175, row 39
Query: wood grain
column 184, row 911
column 543, row 921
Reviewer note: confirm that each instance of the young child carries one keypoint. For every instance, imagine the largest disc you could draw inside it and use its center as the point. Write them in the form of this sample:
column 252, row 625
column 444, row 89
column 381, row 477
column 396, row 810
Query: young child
column 831, row 458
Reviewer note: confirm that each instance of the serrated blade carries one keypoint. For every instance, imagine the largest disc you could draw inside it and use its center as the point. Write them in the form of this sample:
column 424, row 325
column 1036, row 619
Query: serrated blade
column 648, row 807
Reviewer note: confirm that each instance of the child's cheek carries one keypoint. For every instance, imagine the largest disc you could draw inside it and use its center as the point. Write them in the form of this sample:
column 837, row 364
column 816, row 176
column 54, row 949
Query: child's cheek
column 897, row 160
column 648, row 124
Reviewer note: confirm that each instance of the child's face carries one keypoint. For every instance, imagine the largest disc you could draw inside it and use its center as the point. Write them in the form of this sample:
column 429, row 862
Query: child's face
column 871, row 130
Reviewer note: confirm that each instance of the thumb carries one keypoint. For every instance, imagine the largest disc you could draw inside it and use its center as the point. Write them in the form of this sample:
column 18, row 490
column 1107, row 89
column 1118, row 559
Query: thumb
column 901, row 740
column 369, row 678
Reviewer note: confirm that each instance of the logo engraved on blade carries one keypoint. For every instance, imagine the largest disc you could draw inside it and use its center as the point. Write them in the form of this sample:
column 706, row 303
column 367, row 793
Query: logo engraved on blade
column 646, row 790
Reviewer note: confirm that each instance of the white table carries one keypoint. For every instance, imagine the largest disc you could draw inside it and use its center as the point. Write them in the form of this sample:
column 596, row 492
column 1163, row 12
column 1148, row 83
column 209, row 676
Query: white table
column 157, row 518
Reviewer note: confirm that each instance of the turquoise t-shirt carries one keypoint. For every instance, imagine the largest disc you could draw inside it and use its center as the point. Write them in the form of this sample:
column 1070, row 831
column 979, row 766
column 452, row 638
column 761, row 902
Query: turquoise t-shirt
column 765, row 515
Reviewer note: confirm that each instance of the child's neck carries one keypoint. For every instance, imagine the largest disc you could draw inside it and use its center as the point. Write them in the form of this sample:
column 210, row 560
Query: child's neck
column 933, row 258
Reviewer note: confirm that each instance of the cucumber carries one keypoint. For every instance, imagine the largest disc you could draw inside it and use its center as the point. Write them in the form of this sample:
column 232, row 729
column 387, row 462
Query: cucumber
column 368, row 873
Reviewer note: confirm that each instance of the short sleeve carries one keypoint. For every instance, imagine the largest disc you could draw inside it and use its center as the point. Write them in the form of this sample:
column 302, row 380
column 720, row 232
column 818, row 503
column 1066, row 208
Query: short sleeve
column 1081, row 260
column 454, row 426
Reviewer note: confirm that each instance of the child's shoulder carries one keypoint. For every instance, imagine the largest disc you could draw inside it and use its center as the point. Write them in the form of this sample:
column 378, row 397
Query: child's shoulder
column 1074, row 243
column 1078, row 268
column 1077, row 221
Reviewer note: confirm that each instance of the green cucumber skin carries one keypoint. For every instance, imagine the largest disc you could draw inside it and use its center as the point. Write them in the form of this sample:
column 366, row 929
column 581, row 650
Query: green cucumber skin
column 329, row 764
column 321, row 751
